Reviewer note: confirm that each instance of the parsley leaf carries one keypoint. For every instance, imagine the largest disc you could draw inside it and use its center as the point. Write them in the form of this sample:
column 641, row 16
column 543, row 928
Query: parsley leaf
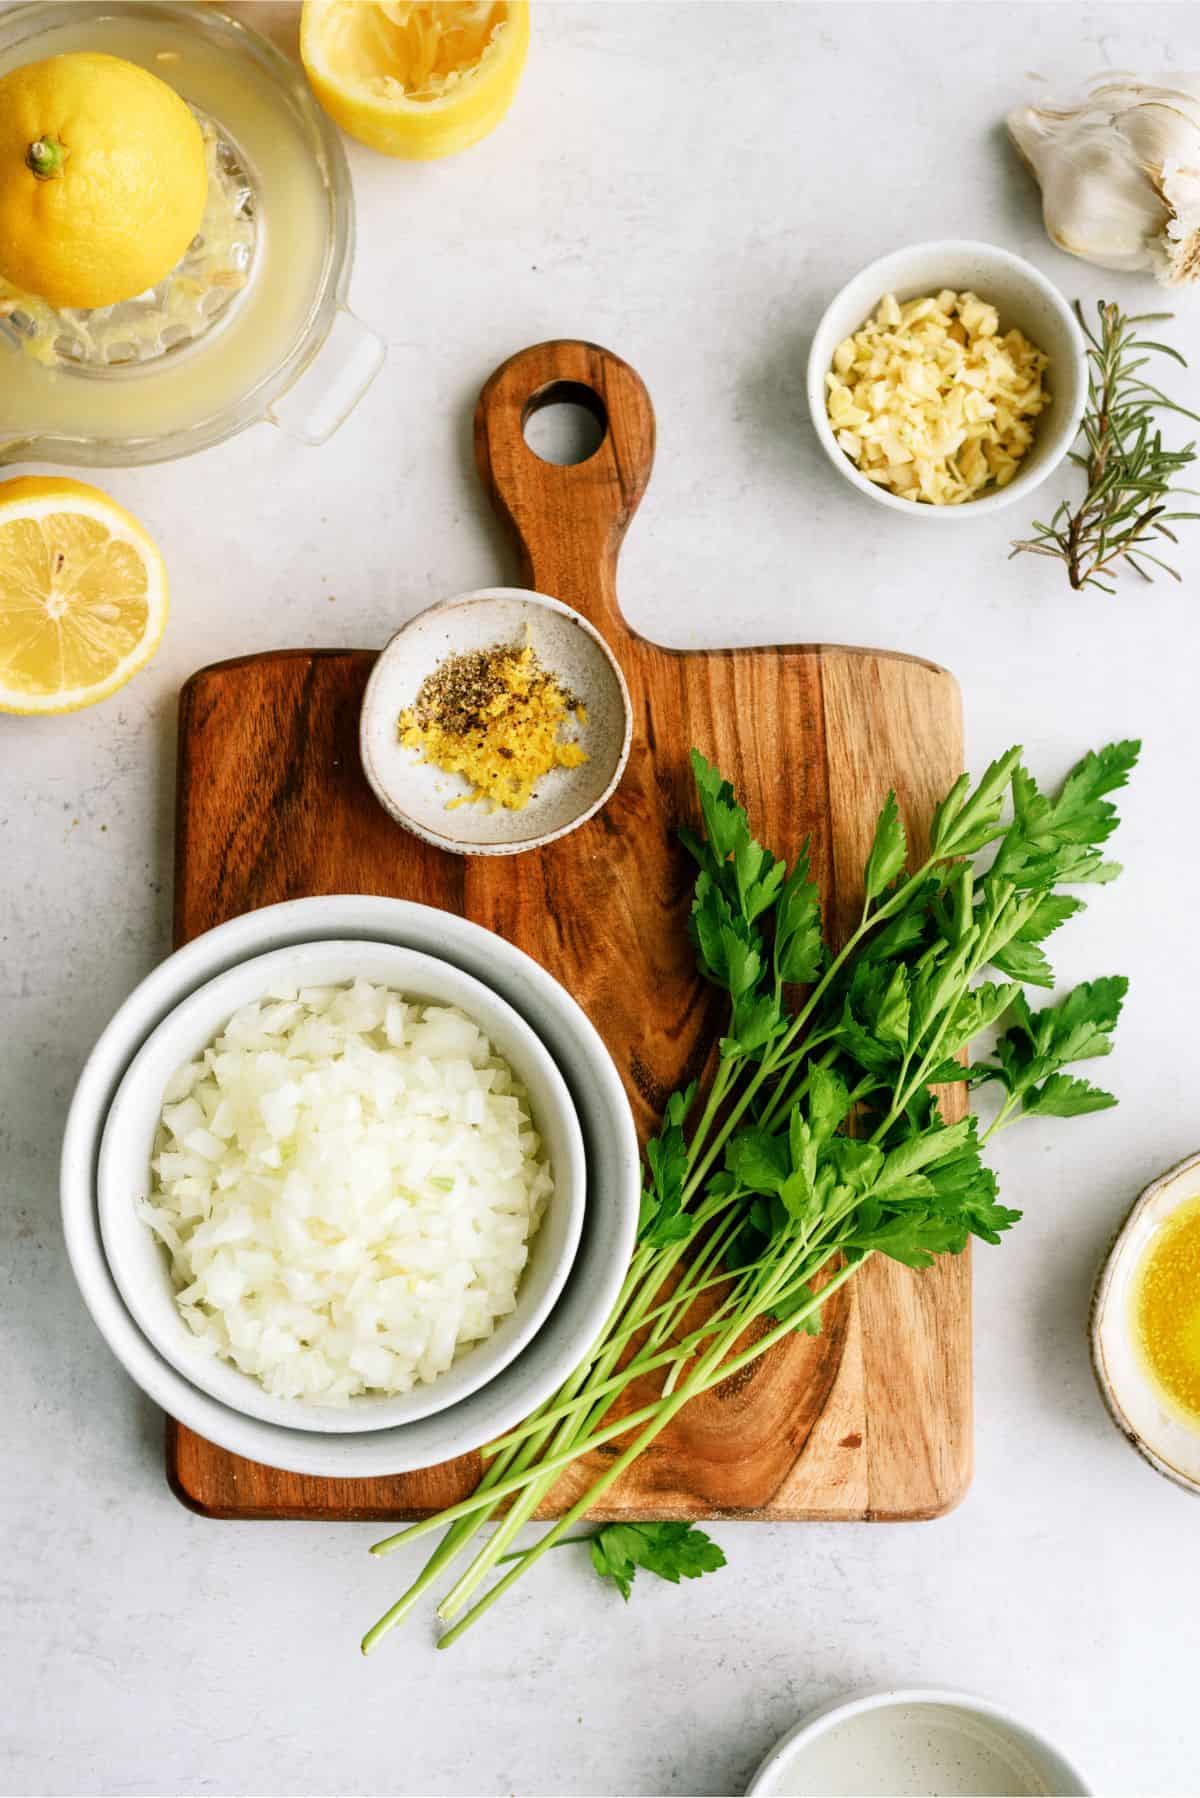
column 747, row 874
column 888, row 851
column 724, row 819
column 863, row 1046
column 1062, row 1096
column 673, row 1551
column 661, row 1217
column 967, row 822
column 1031, row 1055
column 979, row 1008
column 758, row 1161
column 892, row 1017
column 1057, row 840
column 799, row 951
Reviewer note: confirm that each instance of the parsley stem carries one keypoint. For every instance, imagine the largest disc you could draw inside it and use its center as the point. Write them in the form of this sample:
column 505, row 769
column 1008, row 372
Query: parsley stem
column 716, row 1098
column 709, row 1373
column 518, row 1554
column 678, row 1351
column 582, row 1413
column 780, row 1281
column 660, row 1416
column 1002, row 1117
column 463, row 1529
column 468, row 1507
column 505, row 1488
column 454, row 1540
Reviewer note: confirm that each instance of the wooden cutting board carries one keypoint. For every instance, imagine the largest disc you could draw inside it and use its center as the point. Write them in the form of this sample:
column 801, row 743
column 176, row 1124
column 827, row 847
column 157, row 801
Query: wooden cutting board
column 872, row 1419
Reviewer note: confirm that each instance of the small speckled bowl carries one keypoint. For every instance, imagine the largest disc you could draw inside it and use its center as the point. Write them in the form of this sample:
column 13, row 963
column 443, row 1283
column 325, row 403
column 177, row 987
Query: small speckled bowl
column 417, row 795
column 1169, row 1442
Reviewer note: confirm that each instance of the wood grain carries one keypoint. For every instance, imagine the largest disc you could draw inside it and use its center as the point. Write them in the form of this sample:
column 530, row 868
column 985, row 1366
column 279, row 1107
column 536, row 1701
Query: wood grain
column 872, row 1419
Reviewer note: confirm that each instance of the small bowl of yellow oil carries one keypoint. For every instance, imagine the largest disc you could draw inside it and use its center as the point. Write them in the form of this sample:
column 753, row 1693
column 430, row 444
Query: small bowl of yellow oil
column 1146, row 1326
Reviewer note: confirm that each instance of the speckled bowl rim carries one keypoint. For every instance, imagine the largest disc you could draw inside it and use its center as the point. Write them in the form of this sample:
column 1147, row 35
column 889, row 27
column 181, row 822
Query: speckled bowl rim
column 818, row 1722
column 455, row 845
column 1100, row 1297
column 1065, row 425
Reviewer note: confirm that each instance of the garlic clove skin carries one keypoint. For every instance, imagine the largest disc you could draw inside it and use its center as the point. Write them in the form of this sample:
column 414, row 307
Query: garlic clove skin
column 1181, row 188
column 1119, row 171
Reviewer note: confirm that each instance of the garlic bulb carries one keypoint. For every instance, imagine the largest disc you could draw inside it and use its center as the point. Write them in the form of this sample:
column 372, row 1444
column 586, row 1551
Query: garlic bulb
column 1119, row 171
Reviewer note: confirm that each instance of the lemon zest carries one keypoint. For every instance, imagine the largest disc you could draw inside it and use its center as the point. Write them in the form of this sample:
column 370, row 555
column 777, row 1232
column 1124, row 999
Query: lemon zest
column 514, row 742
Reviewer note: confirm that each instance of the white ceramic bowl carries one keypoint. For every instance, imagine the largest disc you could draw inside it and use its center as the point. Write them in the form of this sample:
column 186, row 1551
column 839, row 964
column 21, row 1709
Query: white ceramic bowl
column 416, row 793
column 140, row 1265
column 1022, row 296
column 1167, row 1441
column 610, row 1220
column 927, row 1743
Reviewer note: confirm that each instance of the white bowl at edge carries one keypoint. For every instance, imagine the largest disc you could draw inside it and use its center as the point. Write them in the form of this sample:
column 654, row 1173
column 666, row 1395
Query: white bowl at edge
column 876, row 1743
column 141, row 1266
column 1023, row 297
column 610, row 1220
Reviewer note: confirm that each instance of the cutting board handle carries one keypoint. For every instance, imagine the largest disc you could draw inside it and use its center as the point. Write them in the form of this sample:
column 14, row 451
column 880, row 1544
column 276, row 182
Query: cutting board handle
column 568, row 521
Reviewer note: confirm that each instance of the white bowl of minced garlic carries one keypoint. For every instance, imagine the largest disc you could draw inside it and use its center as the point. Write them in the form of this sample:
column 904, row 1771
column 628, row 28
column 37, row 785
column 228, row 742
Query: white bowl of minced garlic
column 946, row 377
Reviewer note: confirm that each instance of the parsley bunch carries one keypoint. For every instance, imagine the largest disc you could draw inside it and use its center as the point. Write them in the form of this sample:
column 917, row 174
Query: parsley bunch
column 819, row 1141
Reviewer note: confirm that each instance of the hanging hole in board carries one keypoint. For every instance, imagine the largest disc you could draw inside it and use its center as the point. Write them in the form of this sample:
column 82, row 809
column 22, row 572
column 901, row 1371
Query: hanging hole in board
column 565, row 423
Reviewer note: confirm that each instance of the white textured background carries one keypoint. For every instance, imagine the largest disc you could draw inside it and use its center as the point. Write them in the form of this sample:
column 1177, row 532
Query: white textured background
column 687, row 184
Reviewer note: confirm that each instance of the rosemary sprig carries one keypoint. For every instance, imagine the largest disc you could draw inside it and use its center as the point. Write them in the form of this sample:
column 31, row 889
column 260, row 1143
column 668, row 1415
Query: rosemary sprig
column 1129, row 471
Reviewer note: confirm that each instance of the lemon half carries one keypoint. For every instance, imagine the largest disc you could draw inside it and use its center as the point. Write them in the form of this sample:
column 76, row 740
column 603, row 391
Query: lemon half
column 83, row 595
column 415, row 78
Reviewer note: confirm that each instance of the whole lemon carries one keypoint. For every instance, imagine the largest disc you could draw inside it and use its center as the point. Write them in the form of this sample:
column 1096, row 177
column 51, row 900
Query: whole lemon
column 103, row 179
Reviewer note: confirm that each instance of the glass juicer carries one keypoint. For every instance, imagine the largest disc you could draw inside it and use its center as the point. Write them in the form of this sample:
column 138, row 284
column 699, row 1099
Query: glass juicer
column 252, row 323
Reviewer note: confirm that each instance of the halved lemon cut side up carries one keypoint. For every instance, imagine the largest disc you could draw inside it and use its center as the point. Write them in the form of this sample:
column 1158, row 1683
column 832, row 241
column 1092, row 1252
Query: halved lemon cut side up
column 415, row 78
column 83, row 595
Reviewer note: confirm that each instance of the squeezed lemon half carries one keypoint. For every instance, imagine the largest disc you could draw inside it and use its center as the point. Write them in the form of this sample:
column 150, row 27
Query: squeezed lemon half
column 83, row 595
column 415, row 78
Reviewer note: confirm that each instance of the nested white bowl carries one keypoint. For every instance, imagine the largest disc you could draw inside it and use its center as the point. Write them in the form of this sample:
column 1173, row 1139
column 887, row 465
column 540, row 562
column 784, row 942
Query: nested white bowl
column 610, row 1218
column 418, row 795
column 1023, row 297
column 141, row 1266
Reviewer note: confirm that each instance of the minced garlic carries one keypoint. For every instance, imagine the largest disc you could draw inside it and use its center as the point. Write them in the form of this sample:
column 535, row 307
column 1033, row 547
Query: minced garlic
column 494, row 716
column 931, row 402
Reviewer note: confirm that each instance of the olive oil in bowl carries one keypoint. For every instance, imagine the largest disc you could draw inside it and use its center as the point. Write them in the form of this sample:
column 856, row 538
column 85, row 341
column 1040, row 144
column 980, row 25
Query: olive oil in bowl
column 1166, row 1305
column 1145, row 1331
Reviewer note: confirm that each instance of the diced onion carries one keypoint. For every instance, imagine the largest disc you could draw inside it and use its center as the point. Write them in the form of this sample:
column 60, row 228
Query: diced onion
column 347, row 1185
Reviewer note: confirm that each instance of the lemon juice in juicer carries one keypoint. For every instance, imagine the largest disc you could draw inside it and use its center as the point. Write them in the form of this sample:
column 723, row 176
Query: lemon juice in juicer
column 248, row 321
